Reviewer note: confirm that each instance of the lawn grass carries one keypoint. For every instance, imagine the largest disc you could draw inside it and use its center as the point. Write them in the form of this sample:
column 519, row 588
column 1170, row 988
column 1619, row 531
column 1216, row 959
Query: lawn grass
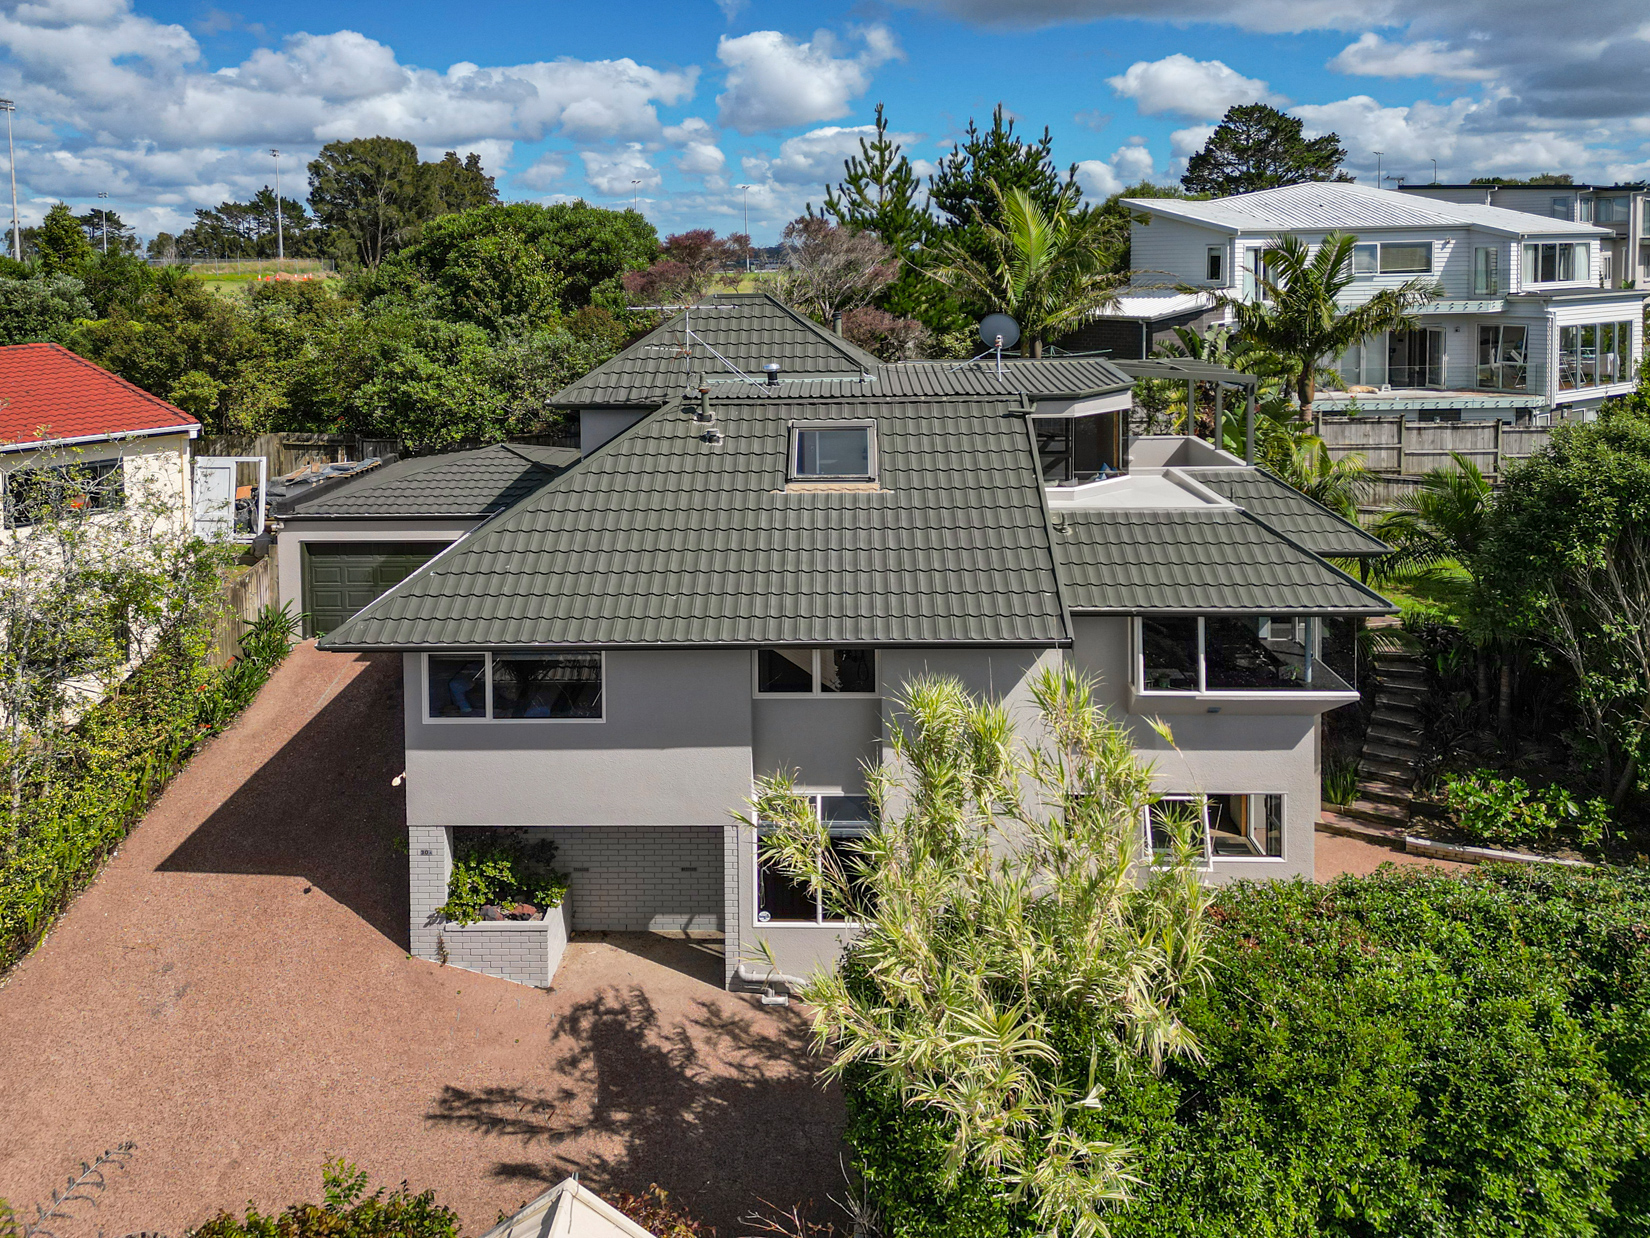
column 1440, row 591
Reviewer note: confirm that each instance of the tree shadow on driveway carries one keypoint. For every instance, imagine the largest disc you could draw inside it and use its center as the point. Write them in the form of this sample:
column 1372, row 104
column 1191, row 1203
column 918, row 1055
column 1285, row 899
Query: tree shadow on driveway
column 720, row 1106
column 321, row 807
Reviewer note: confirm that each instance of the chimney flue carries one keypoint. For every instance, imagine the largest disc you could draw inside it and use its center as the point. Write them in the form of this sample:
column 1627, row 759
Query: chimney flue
column 772, row 371
column 836, row 322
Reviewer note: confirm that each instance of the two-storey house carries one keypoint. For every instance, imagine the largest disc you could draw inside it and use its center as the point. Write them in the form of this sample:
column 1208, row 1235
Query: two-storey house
column 1520, row 329
column 740, row 581
column 1623, row 210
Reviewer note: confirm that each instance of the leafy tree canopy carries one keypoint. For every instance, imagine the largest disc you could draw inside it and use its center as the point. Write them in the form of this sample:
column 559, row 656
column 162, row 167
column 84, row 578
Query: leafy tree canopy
column 960, row 190
column 1258, row 147
column 1541, row 178
column 61, row 244
column 35, row 309
column 246, row 230
column 122, row 237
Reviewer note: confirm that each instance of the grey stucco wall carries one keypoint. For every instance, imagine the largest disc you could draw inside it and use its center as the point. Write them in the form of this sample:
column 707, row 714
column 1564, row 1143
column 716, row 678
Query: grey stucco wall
column 674, row 749
column 1231, row 752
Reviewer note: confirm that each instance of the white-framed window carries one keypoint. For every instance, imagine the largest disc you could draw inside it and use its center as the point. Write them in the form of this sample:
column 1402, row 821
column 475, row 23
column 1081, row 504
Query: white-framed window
column 1392, row 258
column 832, row 451
column 1226, row 826
column 1231, row 653
column 790, row 671
column 1595, row 354
column 1214, row 264
column 1486, row 275
column 1560, row 208
column 81, row 485
column 1503, row 358
column 782, row 900
column 1554, row 262
column 536, row 686
column 1366, row 259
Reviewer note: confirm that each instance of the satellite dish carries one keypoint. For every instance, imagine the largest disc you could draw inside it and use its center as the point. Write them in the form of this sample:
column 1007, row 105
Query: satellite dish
column 993, row 325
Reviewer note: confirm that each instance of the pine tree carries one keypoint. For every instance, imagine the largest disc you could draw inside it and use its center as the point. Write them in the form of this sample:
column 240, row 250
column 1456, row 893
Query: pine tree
column 61, row 243
column 881, row 194
column 1258, row 147
column 960, row 191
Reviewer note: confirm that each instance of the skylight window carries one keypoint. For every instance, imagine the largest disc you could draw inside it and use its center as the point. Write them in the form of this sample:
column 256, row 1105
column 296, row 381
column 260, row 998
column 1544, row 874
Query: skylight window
column 833, row 452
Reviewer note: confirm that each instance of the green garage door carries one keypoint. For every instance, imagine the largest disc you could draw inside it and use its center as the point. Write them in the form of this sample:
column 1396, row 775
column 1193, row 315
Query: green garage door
column 342, row 577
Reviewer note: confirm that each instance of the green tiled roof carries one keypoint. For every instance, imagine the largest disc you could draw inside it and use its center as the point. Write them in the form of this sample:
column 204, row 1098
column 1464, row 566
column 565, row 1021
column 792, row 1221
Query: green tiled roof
column 1206, row 561
column 466, row 484
column 661, row 538
column 1304, row 521
column 748, row 330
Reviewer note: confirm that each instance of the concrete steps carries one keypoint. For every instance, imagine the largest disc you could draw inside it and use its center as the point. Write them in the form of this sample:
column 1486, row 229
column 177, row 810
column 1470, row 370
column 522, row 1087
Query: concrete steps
column 1392, row 748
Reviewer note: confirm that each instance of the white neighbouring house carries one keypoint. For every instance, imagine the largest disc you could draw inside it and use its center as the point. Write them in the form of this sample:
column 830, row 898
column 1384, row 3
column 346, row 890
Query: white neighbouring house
column 1521, row 330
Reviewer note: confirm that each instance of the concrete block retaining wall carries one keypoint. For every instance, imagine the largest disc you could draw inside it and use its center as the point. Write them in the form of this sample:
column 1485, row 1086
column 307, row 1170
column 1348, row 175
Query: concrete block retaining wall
column 637, row 879
column 526, row 951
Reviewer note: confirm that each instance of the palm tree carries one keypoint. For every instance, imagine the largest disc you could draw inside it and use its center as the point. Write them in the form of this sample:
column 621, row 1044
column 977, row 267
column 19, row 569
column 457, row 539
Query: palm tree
column 1443, row 518
column 1050, row 272
column 1299, row 318
column 1302, row 459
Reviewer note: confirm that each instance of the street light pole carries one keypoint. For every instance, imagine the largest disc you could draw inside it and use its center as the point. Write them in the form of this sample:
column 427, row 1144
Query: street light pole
column 280, row 241
column 747, row 190
column 8, row 107
column 636, row 196
column 103, row 211
column 1377, row 169
column 1434, row 171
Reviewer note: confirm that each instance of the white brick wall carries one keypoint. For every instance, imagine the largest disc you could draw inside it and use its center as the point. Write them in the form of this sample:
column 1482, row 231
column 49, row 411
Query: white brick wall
column 430, row 863
column 634, row 879
column 527, row 951
column 732, row 920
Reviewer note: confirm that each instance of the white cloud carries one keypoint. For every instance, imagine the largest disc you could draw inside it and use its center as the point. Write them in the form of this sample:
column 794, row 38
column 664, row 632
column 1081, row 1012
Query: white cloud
column 1373, row 56
column 544, row 171
column 775, row 82
column 1199, row 89
column 1128, row 165
column 817, row 157
column 622, row 173
column 701, row 159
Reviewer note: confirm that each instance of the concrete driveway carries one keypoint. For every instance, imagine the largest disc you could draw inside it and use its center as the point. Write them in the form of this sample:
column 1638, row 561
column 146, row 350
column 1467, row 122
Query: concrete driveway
column 234, row 995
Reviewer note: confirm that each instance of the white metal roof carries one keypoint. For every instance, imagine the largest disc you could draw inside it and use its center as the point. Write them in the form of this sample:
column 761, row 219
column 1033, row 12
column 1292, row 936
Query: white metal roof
column 1155, row 303
column 1322, row 206
column 568, row 1210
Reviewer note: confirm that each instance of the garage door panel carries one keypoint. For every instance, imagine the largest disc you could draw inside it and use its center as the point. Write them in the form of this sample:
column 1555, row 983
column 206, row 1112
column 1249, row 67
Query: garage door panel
column 342, row 577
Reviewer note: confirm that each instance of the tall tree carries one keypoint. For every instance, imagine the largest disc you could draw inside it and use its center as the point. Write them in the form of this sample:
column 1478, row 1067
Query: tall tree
column 372, row 192
column 461, row 186
column 1051, row 271
column 247, row 230
column 122, row 237
column 61, row 244
column 1297, row 316
column 960, row 190
column 880, row 193
column 830, row 270
column 1258, row 147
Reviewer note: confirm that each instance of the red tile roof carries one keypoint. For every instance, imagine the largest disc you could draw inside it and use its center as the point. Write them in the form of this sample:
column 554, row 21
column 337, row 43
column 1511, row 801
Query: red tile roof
column 47, row 393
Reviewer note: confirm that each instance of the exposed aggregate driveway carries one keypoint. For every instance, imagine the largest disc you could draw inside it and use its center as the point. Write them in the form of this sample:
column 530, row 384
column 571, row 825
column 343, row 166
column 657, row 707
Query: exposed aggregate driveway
column 234, row 996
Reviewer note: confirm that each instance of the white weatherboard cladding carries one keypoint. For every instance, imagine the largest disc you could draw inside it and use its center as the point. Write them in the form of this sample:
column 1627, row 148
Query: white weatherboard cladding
column 1172, row 248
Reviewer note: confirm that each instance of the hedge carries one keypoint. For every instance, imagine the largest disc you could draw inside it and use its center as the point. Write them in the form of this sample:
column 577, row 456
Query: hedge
column 120, row 757
column 1405, row 1054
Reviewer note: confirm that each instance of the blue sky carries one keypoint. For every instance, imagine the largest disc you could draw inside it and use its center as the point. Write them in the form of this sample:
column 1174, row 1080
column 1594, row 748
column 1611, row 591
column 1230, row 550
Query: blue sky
column 171, row 106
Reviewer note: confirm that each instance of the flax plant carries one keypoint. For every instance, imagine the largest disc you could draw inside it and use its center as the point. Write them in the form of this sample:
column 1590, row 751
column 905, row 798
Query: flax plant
column 1004, row 892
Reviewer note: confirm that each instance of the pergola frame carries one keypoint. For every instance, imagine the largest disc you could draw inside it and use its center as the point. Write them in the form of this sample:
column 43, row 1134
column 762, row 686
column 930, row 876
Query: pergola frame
column 1194, row 372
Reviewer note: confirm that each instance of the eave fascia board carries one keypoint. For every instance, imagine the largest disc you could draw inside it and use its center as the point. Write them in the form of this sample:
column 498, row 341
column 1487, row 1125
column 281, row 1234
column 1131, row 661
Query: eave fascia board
column 46, row 444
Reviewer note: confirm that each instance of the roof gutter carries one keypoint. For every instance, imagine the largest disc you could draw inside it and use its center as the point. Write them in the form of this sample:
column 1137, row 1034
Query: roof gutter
column 191, row 431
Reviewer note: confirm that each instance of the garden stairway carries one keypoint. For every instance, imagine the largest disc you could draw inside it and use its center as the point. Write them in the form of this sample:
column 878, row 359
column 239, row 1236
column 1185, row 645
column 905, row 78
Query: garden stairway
column 1392, row 746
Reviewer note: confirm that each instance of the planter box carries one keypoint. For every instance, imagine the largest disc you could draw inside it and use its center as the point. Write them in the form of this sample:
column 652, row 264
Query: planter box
column 526, row 951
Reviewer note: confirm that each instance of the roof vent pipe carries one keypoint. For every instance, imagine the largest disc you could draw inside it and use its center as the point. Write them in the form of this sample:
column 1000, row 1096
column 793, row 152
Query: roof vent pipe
column 836, row 322
column 772, row 371
column 704, row 413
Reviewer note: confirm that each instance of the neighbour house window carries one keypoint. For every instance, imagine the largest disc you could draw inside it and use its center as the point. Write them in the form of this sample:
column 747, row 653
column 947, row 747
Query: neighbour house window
column 1412, row 259
column 553, row 687
column 1223, row 827
column 833, row 453
column 1233, row 653
column 1586, row 205
column 1502, row 357
column 1611, row 210
column 1485, row 275
column 1594, row 354
column 1366, row 259
column 1215, row 264
column 781, row 899
column 33, row 494
column 1416, row 358
column 816, row 672
column 1554, row 262
column 1561, row 208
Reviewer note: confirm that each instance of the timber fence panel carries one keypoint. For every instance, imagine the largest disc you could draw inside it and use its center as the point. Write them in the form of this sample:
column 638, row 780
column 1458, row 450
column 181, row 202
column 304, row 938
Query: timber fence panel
column 1393, row 446
column 244, row 595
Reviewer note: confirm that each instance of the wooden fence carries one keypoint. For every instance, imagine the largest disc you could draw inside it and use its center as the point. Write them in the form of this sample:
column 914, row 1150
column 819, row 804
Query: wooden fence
column 245, row 592
column 286, row 453
column 1401, row 448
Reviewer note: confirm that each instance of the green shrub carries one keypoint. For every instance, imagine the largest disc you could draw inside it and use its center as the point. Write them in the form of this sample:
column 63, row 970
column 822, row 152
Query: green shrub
column 1403, row 1054
column 1488, row 808
column 118, row 758
column 348, row 1212
column 501, row 868
column 1340, row 779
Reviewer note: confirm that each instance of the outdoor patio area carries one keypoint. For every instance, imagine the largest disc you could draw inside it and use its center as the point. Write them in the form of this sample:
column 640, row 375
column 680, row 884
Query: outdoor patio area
column 234, row 995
